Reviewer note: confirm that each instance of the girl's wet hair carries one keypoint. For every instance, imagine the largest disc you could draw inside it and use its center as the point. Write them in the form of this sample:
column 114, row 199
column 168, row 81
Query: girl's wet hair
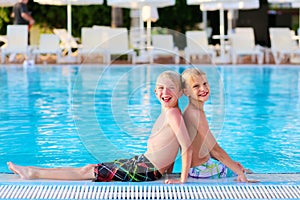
column 173, row 76
column 189, row 73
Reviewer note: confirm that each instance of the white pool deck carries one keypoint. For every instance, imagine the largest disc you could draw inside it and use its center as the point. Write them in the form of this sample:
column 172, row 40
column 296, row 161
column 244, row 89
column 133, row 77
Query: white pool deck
column 271, row 186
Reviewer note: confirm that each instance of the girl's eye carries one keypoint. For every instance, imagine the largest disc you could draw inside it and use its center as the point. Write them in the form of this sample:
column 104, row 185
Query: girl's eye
column 205, row 83
column 195, row 86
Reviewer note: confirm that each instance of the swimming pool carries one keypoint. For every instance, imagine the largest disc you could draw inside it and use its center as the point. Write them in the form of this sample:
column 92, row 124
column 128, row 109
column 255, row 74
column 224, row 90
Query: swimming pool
column 54, row 116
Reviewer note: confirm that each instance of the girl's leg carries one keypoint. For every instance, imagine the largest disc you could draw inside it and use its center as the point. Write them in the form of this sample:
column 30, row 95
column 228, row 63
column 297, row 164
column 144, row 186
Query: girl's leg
column 68, row 173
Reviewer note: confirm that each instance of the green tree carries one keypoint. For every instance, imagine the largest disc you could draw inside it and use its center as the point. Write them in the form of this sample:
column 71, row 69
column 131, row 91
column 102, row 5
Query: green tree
column 4, row 19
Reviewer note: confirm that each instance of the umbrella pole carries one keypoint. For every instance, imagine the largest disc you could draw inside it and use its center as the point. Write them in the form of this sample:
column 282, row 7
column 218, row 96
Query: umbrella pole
column 148, row 33
column 222, row 42
column 69, row 15
column 69, row 58
column 222, row 37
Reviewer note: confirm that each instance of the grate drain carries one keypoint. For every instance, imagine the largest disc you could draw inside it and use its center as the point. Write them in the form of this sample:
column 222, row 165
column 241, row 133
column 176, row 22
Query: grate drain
column 150, row 192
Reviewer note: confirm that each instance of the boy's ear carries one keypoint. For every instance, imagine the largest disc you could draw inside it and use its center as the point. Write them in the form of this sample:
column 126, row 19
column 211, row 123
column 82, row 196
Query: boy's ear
column 185, row 92
column 180, row 93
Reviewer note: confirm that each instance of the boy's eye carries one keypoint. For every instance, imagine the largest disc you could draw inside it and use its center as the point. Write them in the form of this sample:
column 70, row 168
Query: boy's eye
column 195, row 86
column 205, row 83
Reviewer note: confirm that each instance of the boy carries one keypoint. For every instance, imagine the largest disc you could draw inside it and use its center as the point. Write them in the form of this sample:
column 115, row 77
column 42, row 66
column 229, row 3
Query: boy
column 204, row 145
column 169, row 133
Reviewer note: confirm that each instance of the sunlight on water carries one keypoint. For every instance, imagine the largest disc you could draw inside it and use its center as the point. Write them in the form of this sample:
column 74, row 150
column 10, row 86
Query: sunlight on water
column 55, row 116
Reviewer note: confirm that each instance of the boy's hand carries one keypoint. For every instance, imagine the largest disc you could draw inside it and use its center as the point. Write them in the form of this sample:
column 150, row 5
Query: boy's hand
column 173, row 181
column 242, row 178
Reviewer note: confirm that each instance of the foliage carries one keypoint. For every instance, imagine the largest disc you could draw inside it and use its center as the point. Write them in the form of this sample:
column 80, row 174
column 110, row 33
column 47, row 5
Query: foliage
column 179, row 17
column 4, row 19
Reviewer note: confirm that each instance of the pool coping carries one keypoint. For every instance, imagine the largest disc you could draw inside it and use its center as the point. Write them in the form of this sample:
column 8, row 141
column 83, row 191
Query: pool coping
column 271, row 178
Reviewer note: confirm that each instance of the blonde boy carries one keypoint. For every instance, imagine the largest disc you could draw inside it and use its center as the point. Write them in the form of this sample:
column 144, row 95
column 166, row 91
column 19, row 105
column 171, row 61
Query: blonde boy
column 204, row 145
column 169, row 134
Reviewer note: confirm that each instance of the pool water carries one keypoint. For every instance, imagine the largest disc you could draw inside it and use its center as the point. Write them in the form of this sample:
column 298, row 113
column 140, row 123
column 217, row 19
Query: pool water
column 52, row 116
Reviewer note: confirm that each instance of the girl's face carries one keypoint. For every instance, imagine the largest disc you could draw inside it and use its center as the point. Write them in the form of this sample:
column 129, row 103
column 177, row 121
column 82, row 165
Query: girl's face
column 197, row 88
column 167, row 92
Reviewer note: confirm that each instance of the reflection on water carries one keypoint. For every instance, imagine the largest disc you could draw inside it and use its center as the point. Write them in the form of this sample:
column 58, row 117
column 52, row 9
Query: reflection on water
column 69, row 115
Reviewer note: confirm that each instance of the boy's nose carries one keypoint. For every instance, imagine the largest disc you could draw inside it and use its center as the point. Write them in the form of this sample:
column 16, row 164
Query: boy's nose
column 165, row 90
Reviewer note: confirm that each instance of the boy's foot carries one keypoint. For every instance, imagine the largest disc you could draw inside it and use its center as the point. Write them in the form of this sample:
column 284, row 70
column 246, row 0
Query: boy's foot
column 21, row 171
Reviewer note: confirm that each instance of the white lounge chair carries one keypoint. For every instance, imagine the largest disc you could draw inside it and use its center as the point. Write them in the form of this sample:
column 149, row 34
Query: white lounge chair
column 17, row 41
column 242, row 43
column 48, row 44
column 67, row 42
column 197, row 45
column 93, row 43
column 162, row 46
column 118, row 44
column 282, row 44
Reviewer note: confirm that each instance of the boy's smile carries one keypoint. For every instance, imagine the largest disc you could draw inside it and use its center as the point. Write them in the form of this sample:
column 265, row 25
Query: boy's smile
column 167, row 92
column 166, row 98
column 198, row 88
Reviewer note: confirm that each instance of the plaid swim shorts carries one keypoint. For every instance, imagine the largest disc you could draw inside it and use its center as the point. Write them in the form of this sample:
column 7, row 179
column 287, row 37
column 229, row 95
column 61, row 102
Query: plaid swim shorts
column 136, row 169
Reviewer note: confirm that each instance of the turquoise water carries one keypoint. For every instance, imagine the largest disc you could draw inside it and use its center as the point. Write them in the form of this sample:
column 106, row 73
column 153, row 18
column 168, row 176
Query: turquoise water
column 53, row 116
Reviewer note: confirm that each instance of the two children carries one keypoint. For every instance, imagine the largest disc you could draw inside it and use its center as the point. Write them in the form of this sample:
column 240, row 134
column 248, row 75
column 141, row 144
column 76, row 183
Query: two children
column 170, row 132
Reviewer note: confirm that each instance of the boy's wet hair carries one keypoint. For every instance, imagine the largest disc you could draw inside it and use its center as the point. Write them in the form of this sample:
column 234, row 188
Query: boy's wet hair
column 189, row 73
column 173, row 76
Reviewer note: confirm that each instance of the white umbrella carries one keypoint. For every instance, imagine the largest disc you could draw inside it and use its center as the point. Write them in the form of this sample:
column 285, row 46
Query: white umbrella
column 138, row 4
column 69, row 4
column 221, row 5
column 150, row 12
column 7, row 3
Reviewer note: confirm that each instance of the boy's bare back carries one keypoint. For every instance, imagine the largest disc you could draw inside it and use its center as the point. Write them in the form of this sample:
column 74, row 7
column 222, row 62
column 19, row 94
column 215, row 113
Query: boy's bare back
column 198, row 129
column 162, row 145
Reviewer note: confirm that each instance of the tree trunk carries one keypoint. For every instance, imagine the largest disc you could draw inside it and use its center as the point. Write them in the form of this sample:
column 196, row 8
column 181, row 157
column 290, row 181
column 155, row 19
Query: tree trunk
column 116, row 17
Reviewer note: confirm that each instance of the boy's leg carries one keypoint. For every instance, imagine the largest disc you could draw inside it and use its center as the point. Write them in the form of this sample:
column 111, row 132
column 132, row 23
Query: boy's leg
column 82, row 173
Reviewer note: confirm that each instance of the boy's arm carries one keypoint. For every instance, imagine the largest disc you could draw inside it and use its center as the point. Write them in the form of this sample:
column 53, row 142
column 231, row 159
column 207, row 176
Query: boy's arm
column 177, row 124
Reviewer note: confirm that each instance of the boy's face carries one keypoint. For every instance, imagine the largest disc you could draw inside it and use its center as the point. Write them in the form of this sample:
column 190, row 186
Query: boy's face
column 197, row 88
column 167, row 92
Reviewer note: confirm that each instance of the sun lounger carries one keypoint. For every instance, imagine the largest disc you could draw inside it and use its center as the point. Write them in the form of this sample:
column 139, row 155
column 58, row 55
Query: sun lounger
column 197, row 45
column 282, row 44
column 162, row 46
column 67, row 42
column 93, row 43
column 17, row 41
column 118, row 44
column 242, row 43
column 49, row 44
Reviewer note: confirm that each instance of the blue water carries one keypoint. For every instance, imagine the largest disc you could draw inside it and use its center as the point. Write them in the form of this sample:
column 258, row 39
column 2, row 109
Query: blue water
column 52, row 116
